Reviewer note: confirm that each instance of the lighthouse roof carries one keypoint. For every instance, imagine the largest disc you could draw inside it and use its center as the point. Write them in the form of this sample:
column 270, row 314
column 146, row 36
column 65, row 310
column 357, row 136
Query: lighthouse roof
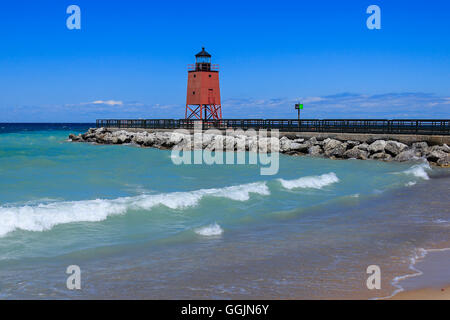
column 203, row 53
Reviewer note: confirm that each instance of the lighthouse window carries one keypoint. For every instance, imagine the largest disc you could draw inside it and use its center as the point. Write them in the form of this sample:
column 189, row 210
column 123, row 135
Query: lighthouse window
column 193, row 92
column 195, row 76
column 210, row 76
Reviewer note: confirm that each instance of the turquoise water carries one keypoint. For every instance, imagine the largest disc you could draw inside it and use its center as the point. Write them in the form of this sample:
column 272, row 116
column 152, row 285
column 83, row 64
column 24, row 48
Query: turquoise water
column 141, row 227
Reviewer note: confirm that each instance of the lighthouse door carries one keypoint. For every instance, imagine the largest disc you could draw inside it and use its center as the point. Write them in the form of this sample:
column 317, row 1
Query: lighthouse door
column 211, row 99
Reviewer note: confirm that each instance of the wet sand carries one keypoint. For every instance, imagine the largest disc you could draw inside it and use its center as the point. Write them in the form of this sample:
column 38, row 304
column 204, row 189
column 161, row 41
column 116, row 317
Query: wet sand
column 434, row 281
column 424, row 294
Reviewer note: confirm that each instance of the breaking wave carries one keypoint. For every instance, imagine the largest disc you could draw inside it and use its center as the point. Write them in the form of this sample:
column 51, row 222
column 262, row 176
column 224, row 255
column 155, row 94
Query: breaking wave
column 316, row 182
column 43, row 217
column 211, row 230
column 419, row 170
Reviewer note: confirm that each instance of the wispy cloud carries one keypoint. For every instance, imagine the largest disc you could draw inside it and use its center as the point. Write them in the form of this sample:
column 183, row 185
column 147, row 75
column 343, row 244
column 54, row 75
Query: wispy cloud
column 342, row 105
column 109, row 102
column 100, row 102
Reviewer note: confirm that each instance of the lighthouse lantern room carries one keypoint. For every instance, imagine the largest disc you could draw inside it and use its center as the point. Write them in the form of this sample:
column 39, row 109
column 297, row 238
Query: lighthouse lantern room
column 203, row 91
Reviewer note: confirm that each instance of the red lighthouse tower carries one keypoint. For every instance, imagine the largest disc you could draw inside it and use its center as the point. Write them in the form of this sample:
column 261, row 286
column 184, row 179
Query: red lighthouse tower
column 203, row 91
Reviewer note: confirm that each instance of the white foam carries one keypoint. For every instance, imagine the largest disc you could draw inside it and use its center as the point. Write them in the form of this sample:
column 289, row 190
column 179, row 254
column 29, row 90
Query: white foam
column 410, row 184
column 419, row 170
column 209, row 231
column 316, row 182
column 440, row 221
column 418, row 255
column 43, row 217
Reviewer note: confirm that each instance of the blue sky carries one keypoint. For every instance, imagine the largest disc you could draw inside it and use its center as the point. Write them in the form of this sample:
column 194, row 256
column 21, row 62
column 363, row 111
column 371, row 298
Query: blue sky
column 129, row 58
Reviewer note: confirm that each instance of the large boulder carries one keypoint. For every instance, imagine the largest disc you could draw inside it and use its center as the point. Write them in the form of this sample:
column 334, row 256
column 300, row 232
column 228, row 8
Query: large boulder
column 381, row 156
column 217, row 144
column 299, row 140
column 176, row 138
column 351, row 144
column 140, row 137
column 445, row 161
column 435, row 155
column 74, row 137
column 377, row 146
column 394, row 147
column 121, row 136
column 108, row 138
column 149, row 140
column 240, row 142
column 229, row 143
column 356, row 153
column 363, row 146
column 338, row 151
column 299, row 147
column 445, row 148
column 101, row 130
column 315, row 151
column 251, row 144
column 312, row 141
column 420, row 145
column 330, row 144
column 285, row 144
column 406, row 155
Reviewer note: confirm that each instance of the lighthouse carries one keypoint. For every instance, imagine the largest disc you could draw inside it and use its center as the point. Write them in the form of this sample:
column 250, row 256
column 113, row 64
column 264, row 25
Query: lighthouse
column 203, row 91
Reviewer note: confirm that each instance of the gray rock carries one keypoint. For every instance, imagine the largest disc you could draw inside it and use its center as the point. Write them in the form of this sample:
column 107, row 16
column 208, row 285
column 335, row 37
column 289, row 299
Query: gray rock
column 150, row 140
column 445, row 161
column 108, row 138
column 420, row 145
column 285, row 144
column 331, row 144
column 240, row 143
column 140, row 138
column 338, row 151
column 123, row 138
column 394, row 147
column 74, row 137
column 356, row 153
column 351, row 144
column 315, row 151
column 445, row 148
column 381, row 156
column 406, row 155
column 176, row 138
column 377, row 146
column 229, row 143
column 299, row 147
column 311, row 142
column 435, row 155
column 363, row 146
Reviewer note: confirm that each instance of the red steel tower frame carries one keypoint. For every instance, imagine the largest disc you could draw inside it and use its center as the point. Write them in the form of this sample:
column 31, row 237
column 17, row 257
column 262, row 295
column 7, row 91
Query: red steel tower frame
column 203, row 90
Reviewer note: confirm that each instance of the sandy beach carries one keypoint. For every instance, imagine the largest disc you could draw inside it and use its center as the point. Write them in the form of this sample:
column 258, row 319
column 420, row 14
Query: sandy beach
column 433, row 283
column 424, row 294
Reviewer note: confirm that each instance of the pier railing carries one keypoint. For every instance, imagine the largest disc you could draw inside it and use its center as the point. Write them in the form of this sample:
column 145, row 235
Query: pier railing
column 380, row 126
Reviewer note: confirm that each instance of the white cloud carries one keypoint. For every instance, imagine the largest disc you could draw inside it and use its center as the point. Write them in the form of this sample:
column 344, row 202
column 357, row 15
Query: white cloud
column 344, row 105
column 107, row 102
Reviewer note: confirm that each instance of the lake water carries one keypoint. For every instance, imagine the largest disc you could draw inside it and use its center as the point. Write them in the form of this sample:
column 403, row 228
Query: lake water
column 139, row 226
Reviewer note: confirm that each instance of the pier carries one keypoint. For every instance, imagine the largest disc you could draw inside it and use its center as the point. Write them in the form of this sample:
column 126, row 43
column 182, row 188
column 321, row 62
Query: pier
column 368, row 126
